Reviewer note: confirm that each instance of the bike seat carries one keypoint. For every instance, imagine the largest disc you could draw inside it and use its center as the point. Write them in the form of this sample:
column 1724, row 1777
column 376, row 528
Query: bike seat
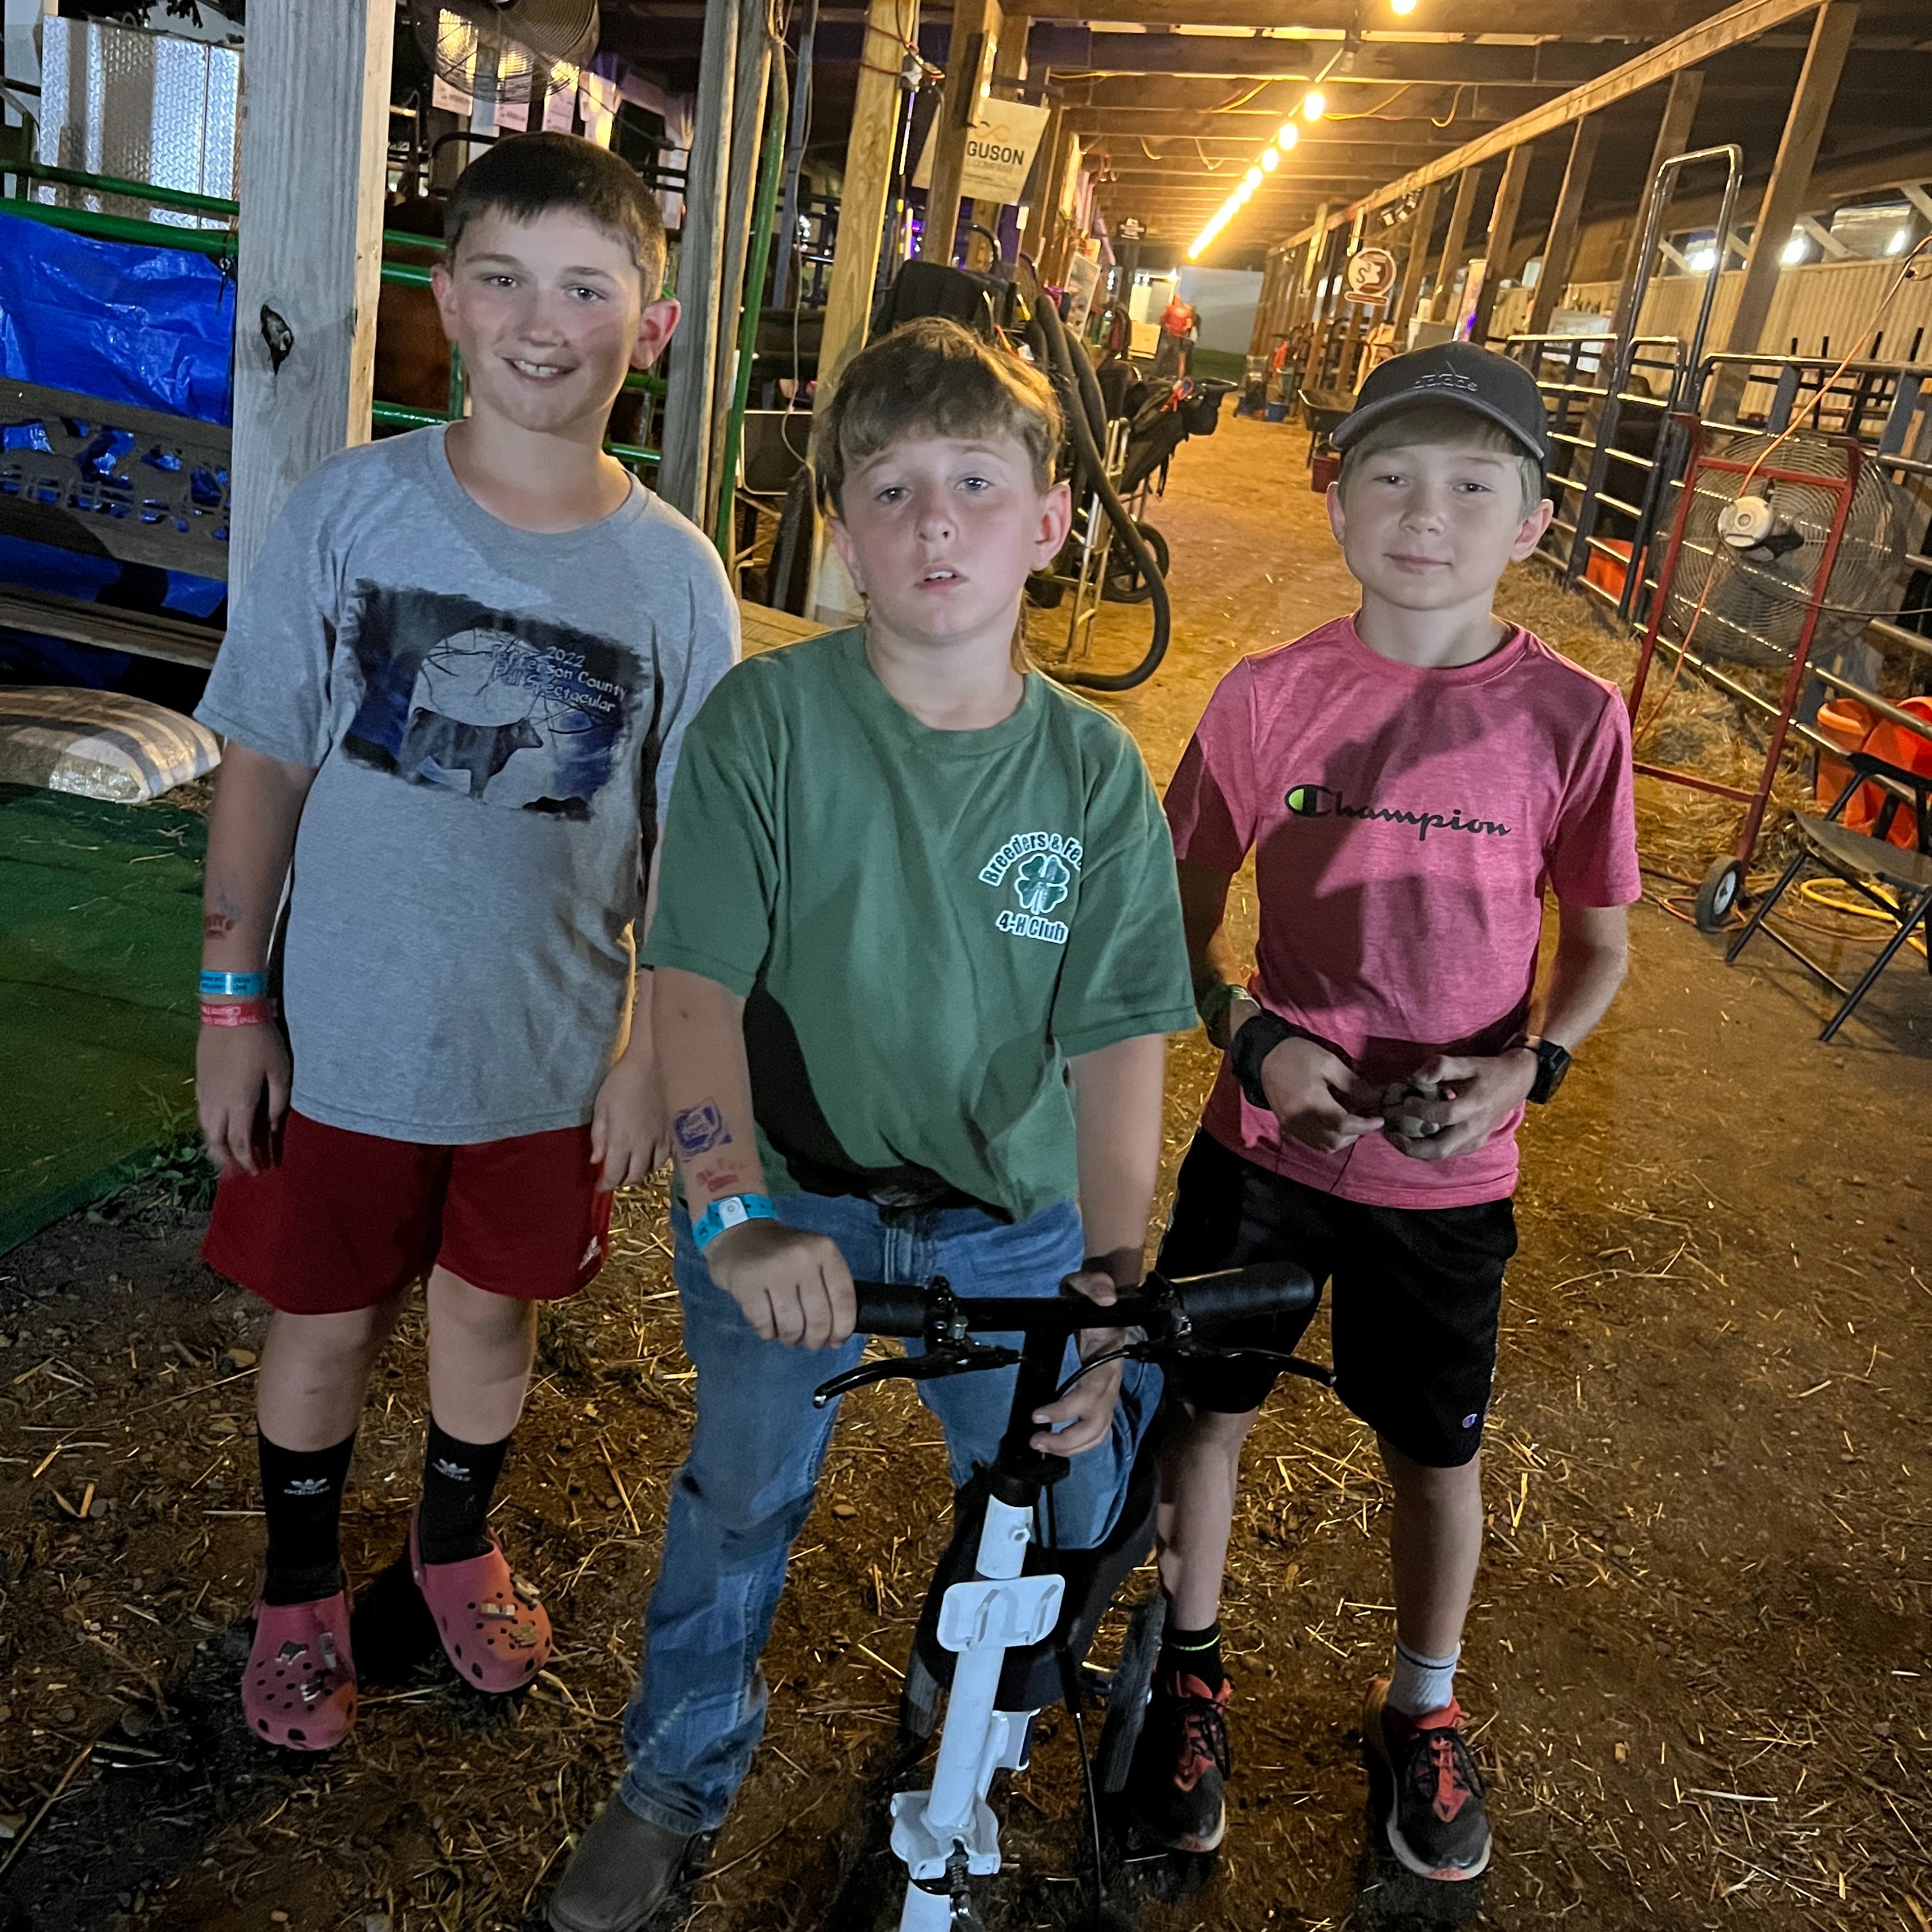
column 1032, row 1679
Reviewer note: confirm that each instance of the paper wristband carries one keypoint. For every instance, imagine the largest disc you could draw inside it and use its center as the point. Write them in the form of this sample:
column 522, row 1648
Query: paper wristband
column 233, row 986
column 235, row 1013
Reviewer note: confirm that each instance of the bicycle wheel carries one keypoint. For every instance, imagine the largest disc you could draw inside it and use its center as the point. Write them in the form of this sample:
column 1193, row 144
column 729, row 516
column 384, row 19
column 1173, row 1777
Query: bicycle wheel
column 1124, row 584
column 1127, row 1699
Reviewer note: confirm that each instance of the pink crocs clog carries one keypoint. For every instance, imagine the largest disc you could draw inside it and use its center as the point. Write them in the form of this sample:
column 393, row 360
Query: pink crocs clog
column 299, row 1690
column 492, row 1624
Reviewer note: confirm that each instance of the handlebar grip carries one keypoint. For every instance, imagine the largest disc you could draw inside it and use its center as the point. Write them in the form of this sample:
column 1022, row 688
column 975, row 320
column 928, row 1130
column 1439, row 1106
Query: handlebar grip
column 889, row 1308
column 1267, row 1289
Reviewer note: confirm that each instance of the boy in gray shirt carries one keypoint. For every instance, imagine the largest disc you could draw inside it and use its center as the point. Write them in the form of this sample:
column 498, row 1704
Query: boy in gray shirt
column 454, row 691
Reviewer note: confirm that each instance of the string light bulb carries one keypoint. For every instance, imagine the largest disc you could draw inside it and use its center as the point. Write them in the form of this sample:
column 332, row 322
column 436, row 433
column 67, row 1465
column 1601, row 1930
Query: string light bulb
column 1271, row 160
column 1402, row 6
column 1289, row 134
column 1314, row 104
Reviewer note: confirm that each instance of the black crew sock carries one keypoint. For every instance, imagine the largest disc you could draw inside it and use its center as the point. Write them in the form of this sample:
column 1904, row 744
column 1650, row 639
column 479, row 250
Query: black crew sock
column 301, row 1497
column 459, row 1478
column 1196, row 1654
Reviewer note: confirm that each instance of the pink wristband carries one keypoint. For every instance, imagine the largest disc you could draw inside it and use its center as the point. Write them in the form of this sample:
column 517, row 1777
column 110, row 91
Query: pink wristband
column 234, row 1013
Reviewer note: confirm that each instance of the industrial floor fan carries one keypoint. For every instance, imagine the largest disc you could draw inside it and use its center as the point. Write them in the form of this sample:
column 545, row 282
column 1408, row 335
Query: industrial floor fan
column 1782, row 547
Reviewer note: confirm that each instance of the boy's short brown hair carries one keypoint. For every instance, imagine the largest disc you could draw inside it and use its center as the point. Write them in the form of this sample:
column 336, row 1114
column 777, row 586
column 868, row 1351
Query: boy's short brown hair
column 931, row 377
column 528, row 175
column 1449, row 424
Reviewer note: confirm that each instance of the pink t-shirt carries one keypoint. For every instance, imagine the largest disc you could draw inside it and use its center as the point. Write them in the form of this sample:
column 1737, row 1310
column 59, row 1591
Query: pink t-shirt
column 1405, row 824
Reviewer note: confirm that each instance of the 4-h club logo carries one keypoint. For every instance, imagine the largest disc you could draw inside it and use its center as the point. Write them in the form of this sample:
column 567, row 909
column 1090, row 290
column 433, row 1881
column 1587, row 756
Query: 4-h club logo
column 1041, row 867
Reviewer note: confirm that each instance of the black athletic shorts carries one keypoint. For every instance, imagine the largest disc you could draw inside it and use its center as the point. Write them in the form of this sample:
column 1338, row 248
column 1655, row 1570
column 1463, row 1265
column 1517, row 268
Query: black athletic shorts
column 1417, row 1295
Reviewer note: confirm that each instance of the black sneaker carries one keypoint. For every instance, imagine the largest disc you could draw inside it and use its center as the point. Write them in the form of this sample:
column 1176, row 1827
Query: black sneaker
column 1429, row 1791
column 1181, row 1764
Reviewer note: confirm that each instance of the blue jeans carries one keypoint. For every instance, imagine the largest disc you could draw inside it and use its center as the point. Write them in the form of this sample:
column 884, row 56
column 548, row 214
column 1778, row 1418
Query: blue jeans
column 746, row 1488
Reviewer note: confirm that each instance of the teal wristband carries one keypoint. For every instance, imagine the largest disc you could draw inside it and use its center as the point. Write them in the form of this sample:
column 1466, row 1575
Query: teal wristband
column 233, row 986
column 731, row 1210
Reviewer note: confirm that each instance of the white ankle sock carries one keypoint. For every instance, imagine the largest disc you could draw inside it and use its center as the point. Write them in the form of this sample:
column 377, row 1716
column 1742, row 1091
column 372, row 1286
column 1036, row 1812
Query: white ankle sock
column 1420, row 1684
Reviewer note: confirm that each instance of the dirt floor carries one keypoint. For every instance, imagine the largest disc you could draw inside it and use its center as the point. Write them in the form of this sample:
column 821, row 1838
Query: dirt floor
column 1698, row 1663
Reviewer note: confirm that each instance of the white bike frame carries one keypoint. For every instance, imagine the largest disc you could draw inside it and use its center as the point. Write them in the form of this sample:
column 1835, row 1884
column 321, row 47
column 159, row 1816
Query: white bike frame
column 948, row 1833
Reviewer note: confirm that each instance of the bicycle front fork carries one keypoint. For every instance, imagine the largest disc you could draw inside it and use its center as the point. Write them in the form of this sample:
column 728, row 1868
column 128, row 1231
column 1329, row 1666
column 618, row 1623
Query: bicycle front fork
column 948, row 1833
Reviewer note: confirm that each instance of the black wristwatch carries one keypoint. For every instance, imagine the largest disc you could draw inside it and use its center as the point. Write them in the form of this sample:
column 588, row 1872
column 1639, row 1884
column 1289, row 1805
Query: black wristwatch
column 1257, row 1039
column 1552, row 1062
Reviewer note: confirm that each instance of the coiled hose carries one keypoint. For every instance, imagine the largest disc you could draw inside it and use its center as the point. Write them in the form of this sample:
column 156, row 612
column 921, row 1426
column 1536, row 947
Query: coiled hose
column 1086, row 414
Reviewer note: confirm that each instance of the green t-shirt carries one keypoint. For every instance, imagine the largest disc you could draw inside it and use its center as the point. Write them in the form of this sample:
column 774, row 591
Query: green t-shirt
column 925, row 924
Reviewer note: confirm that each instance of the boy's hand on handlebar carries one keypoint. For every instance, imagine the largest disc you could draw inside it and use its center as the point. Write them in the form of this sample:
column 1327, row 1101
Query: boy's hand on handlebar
column 1318, row 1096
column 790, row 1286
column 1478, row 1097
column 1084, row 1416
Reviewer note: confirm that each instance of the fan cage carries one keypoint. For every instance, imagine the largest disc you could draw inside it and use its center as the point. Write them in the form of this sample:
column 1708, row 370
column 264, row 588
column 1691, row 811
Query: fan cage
column 506, row 53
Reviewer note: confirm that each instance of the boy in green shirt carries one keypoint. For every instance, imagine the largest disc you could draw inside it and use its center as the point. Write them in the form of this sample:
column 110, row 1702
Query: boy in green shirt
column 917, row 942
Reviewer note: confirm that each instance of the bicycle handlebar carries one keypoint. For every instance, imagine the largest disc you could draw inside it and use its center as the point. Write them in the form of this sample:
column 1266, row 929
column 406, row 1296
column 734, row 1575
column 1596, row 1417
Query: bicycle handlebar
column 1161, row 1306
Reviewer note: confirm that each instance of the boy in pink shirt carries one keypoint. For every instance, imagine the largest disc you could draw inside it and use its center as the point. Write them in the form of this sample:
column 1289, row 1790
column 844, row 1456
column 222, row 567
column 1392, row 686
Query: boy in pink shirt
column 1411, row 780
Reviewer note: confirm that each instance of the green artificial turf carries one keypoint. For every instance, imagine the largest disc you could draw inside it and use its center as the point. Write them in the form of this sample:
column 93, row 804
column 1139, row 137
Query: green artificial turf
column 99, row 941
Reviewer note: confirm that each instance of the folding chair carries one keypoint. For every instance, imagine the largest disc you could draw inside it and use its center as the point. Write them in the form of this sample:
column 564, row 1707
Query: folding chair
column 1868, row 862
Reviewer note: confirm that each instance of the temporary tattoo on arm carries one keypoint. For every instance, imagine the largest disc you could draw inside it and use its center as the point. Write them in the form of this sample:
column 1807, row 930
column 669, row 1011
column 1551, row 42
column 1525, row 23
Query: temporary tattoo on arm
column 723, row 1179
column 216, row 925
column 699, row 1129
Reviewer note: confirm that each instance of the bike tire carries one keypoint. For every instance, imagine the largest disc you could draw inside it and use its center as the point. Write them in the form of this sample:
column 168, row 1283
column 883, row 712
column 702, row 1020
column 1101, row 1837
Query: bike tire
column 1129, row 585
column 1127, row 1699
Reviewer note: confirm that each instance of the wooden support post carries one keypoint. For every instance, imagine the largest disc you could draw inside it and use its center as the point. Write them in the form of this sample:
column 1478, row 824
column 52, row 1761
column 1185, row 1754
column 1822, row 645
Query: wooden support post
column 1056, row 242
column 869, row 152
column 1502, row 236
column 1009, row 71
column 1455, row 244
column 315, row 136
column 1045, row 172
column 1790, row 182
column 748, row 120
column 1673, row 138
column 1423, row 228
column 1318, row 240
column 973, row 23
column 1327, row 307
column 1560, row 250
column 683, row 476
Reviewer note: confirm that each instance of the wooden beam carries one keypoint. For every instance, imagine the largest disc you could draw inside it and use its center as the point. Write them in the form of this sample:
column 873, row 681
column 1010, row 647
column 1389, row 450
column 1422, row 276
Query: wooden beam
column 747, row 126
column 1422, row 229
column 1790, row 182
column 974, row 22
column 1632, row 19
column 1040, row 191
column 1182, row 72
column 1673, row 138
column 315, row 136
column 1559, row 250
column 1735, row 25
column 684, row 474
column 1455, row 243
column 869, row 153
column 1008, row 70
column 1503, row 214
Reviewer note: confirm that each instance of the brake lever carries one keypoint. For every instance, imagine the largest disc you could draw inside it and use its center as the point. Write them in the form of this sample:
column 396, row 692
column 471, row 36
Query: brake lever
column 963, row 1359
column 1293, row 1365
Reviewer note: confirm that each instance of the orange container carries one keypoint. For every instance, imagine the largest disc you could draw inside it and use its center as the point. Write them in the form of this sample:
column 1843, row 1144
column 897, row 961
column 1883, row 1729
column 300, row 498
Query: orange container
column 1609, row 573
column 1847, row 724
column 1897, row 746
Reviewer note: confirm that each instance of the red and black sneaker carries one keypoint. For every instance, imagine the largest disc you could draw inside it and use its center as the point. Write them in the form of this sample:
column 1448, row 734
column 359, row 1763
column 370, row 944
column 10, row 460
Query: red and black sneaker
column 1181, row 1764
column 1429, row 1791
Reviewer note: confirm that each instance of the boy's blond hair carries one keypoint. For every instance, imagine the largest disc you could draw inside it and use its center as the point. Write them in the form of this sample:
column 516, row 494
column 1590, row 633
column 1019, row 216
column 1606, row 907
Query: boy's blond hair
column 931, row 377
column 1445, row 423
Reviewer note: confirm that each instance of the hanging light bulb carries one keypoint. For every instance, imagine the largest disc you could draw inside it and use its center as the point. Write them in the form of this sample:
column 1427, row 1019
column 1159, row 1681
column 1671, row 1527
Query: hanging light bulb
column 1252, row 180
column 1290, row 133
column 1314, row 105
column 1271, row 160
column 1404, row 7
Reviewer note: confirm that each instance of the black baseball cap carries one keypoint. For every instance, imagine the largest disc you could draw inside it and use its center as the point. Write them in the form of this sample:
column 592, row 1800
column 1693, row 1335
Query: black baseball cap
column 1463, row 376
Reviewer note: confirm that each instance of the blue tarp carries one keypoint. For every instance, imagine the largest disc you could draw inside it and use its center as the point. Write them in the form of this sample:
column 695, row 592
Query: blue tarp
column 151, row 326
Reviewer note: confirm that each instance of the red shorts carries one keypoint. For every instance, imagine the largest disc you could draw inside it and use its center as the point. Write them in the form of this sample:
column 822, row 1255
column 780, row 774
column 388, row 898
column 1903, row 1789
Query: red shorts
column 344, row 1220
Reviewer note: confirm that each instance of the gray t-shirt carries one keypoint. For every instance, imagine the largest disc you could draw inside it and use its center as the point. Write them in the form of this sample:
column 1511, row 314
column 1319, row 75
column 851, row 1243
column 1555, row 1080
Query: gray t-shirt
column 496, row 717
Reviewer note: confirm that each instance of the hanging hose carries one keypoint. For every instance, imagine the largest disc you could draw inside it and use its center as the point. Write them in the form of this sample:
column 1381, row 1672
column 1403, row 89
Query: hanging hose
column 1085, row 412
